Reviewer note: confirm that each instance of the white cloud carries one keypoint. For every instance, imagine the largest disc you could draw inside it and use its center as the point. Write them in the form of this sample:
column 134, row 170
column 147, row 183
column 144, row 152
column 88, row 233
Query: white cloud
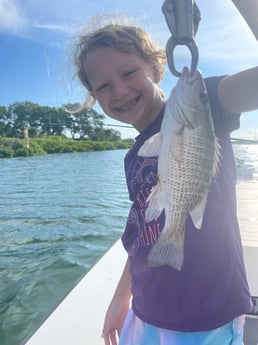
column 11, row 17
column 65, row 28
column 21, row 18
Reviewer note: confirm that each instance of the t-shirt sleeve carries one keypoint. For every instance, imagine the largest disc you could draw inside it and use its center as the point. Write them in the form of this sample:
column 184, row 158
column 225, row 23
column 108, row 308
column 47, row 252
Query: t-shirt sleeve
column 222, row 120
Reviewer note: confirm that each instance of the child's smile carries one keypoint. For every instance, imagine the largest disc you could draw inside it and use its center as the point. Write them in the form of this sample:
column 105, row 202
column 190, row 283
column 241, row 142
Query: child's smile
column 128, row 105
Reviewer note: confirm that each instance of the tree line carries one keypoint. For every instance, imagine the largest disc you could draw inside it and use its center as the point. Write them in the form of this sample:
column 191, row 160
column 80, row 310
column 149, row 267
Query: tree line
column 43, row 121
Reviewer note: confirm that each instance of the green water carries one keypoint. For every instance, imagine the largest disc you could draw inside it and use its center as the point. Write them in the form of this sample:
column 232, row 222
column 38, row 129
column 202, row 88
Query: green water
column 58, row 214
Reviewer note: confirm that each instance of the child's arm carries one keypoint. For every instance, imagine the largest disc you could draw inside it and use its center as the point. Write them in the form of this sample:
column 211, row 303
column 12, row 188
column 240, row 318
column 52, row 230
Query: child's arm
column 239, row 92
column 118, row 308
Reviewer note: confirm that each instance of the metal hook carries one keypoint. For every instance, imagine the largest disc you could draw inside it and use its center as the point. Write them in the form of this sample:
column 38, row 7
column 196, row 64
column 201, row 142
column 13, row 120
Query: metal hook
column 171, row 44
column 182, row 17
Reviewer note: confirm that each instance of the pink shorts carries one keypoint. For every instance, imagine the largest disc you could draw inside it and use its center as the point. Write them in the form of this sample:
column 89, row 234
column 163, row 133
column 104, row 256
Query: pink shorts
column 137, row 332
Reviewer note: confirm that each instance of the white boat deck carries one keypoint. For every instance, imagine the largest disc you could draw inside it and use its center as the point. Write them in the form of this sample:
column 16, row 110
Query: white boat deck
column 81, row 314
column 79, row 318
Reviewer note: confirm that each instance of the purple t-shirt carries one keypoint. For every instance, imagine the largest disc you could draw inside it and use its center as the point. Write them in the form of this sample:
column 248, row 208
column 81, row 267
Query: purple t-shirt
column 211, row 289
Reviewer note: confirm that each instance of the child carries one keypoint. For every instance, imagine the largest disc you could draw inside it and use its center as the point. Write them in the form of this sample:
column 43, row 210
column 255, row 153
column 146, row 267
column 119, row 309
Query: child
column 204, row 303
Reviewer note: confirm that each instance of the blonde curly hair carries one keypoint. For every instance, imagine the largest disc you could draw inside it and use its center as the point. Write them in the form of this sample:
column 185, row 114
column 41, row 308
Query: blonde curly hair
column 124, row 38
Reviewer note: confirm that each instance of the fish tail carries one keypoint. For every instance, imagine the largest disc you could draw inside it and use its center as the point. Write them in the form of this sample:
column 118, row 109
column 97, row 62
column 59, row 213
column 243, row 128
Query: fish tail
column 167, row 251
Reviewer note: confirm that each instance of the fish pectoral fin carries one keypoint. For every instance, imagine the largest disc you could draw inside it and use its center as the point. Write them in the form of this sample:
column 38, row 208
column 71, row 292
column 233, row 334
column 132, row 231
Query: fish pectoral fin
column 151, row 146
column 155, row 206
column 198, row 212
column 167, row 251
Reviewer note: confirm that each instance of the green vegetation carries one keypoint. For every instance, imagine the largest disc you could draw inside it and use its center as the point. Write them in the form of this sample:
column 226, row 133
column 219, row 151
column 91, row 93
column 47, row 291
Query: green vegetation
column 12, row 147
column 28, row 129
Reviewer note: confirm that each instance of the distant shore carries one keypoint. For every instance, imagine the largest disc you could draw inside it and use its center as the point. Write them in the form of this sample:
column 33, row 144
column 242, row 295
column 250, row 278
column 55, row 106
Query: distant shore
column 15, row 147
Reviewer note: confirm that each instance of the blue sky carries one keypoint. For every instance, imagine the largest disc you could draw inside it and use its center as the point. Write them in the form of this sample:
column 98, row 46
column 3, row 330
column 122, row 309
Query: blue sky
column 36, row 42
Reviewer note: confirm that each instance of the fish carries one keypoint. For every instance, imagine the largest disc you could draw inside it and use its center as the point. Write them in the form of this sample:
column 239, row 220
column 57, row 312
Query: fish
column 188, row 157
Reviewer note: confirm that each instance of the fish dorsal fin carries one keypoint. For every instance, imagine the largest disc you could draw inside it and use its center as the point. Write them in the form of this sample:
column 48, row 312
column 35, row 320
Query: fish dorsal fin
column 198, row 212
column 217, row 156
column 151, row 146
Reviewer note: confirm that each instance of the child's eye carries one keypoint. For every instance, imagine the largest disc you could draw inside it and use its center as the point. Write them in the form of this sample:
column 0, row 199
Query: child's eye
column 102, row 87
column 129, row 73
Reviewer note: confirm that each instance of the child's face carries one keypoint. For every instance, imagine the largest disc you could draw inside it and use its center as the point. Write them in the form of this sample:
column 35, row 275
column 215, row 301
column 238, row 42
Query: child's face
column 124, row 85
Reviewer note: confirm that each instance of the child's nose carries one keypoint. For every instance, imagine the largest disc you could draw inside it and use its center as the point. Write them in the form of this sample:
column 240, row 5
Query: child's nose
column 120, row 89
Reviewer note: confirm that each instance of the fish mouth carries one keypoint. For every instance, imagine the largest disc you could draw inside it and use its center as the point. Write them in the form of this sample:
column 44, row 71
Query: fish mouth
column 127, row 105
column 191, row 77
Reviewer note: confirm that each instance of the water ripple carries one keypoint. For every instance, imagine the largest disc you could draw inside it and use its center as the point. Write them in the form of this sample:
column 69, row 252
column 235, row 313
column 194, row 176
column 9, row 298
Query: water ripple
column 58, row 215
column 55, row 221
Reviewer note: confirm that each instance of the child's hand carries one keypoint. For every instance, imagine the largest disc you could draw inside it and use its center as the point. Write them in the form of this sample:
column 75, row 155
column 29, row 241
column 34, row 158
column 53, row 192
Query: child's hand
column 114, row 320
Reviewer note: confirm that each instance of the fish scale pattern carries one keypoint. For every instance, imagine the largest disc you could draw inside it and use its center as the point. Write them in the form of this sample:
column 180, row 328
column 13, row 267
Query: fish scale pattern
column 191, row 177
column 188, row 156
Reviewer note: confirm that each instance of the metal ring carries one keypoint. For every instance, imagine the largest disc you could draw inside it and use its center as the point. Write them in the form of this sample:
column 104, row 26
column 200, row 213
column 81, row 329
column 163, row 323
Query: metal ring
column 171, row 44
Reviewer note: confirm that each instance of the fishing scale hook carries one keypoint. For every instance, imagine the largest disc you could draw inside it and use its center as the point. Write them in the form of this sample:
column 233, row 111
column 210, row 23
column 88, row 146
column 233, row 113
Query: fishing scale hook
column 182, row 17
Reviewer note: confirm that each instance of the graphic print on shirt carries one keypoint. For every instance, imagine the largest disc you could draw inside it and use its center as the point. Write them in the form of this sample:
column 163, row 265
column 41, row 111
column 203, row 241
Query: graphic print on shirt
column 144, row 177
